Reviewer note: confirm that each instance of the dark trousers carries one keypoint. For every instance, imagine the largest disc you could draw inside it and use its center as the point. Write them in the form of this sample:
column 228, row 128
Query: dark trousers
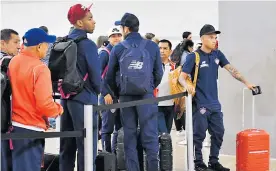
column 203, row 120
column 72, row 119
column 147, row 117
column 26, row 154
column 165, row 118
column 110, row 121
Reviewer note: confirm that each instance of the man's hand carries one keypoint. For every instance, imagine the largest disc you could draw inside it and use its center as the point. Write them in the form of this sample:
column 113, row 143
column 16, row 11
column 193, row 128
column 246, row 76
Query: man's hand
column 108, row 99
column 251, row 86
column 186, row 82
column 190, row 88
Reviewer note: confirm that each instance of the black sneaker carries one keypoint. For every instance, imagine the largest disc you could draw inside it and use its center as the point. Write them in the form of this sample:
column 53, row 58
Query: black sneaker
column 217, row 167
column 201, row 167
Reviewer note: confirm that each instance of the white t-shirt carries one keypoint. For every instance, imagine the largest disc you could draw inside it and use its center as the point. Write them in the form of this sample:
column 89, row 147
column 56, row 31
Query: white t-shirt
column 164, row 86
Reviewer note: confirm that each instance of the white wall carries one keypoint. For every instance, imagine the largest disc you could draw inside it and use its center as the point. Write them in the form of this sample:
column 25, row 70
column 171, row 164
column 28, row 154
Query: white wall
column 164, row 18
column 248, row 40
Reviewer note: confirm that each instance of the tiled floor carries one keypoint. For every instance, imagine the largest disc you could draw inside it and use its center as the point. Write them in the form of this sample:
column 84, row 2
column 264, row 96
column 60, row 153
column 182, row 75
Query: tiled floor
column 178, row 154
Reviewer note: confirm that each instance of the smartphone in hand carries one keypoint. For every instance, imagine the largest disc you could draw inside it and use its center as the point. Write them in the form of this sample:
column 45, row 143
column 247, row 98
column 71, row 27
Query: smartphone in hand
column 257, row 90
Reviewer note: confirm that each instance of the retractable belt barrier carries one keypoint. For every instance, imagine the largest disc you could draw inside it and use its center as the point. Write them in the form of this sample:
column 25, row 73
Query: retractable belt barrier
column 37, row 135
column 87, row 133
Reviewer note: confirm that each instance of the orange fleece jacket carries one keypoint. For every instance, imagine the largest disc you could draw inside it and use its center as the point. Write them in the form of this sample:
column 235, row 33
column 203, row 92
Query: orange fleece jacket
column 32, row 99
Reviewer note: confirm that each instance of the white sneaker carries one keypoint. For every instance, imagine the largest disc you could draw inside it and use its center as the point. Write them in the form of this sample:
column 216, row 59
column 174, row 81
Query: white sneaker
column 180, row 133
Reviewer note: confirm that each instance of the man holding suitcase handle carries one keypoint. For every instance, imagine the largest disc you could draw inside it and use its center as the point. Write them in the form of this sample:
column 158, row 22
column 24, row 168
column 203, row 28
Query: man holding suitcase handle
column 206, row 106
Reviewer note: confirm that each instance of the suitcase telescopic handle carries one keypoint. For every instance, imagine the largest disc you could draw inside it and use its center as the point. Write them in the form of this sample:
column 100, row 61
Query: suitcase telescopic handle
column 243, row 108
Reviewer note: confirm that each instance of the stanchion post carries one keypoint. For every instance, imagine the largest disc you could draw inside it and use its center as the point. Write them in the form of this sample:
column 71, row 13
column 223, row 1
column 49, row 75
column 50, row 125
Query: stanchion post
column 190, row 145
column 58, row 128
column 88, row 139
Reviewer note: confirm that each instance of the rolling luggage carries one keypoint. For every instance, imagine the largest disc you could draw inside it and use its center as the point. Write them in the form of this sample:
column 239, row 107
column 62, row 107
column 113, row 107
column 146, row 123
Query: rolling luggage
column 105, row 161
column 165, row 152
column 252, row 147
column 120, row 152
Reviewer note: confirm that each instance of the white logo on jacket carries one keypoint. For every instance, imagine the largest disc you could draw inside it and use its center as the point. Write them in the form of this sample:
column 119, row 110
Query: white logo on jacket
column 203, row 64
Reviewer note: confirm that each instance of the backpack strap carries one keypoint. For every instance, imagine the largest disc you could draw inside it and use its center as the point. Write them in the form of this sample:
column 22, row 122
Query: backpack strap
column 79, row 39
column 172, row 65
column 197, row 60
column 105, row 69
column 105, row 49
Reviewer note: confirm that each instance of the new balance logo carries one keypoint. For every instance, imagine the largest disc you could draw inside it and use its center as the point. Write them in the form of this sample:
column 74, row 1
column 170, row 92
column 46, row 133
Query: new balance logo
column 135, row 65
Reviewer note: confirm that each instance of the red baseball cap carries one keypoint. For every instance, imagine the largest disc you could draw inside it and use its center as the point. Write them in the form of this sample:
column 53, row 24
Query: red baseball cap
column 77, row 12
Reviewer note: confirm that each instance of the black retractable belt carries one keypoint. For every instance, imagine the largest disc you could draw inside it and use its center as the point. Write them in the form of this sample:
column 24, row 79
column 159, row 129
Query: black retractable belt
column 138, row 102
column 41, row 135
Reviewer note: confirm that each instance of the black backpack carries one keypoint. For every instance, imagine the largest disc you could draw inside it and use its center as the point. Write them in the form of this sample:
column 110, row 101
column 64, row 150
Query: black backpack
column 65, row 74
column 5, row 94
column 177, row 53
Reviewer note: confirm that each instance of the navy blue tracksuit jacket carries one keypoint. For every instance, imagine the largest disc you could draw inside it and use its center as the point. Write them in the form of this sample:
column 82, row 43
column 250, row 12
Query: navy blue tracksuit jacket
column 206, row 108
column 73, row 116
column 145, row 114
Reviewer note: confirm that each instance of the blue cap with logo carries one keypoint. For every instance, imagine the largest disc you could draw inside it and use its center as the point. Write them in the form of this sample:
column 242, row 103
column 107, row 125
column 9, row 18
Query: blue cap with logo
column 36, row 36
column 128, row 20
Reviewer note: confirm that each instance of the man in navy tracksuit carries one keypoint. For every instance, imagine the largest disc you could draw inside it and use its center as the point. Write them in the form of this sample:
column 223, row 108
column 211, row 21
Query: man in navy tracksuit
column 73, row 116
column 110, row 118
column 206, row 106
column 146, row 115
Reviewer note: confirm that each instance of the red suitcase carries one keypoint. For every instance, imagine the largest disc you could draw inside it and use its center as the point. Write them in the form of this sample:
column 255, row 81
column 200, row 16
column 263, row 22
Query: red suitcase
column 252, row 147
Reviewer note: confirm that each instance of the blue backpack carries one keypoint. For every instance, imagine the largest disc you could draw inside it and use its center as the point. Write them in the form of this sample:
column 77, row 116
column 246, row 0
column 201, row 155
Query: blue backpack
column 135, row 69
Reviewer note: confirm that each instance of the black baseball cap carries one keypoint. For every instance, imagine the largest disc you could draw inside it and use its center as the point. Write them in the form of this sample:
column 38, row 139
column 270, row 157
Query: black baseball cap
column 128, row 20
column 208, row 29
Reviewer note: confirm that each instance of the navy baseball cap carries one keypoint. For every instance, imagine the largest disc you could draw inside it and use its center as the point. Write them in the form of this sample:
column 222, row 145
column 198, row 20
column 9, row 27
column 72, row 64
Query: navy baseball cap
column 208, row 29
column 36, row 36
column 128, row 20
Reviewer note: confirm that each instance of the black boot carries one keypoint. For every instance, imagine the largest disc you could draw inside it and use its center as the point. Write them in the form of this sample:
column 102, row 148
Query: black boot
column 217, row 167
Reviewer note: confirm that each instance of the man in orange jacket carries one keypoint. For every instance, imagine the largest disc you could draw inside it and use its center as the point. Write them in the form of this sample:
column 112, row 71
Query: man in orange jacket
column 32, row 101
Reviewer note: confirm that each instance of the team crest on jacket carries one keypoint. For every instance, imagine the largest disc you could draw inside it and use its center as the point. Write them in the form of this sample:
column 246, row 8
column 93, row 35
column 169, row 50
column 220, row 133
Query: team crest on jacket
column 217, row 61
column 202, row 110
